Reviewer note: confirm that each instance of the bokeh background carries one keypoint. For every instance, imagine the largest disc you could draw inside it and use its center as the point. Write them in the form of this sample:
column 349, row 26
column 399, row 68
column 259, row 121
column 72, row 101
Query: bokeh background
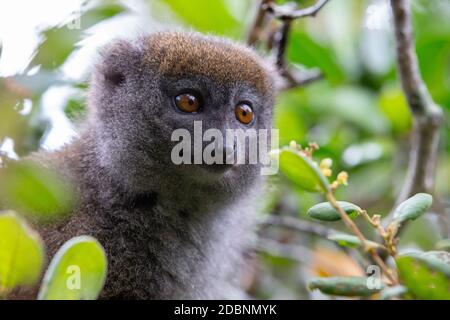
column 357, row 113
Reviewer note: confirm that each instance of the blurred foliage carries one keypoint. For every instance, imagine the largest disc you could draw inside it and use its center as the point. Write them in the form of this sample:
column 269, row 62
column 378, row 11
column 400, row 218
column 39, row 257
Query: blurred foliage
column 34, row 191
column 358, row 114
column 80, row 253
column 422, row 275
column 21, row 253
column 22, row 257
column 60, row 42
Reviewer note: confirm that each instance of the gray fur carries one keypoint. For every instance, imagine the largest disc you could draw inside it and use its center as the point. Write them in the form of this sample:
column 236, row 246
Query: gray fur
column 169, row 231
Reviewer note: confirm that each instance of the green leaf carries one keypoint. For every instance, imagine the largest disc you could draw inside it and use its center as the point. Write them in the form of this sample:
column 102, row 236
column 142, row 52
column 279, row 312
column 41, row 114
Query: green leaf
column 217, row 19
column 426, row 275
column 304, row 50
column 393, row 292
column 325, row 212
column 348, row 240
column 75, row 109
column 21, row 252
column 343, row 286
column 60, row 42
column 77, row 272
column 302, row 171
column 413, row 207
column 11, row 95
column 35, row 191
column 400, row 117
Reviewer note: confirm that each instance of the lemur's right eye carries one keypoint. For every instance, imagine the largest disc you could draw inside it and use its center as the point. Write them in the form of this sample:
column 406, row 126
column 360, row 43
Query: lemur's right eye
column 188, row 102
column 244, row 113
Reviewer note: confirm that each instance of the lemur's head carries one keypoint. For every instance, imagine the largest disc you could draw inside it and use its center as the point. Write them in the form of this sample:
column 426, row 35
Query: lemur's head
column 143, row 91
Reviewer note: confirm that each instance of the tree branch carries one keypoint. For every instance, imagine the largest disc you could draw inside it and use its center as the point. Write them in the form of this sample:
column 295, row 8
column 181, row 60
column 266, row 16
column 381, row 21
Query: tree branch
column 286, row 13
column 258, row 24
column 299, row 225
column 426, row 114
column 354, row 228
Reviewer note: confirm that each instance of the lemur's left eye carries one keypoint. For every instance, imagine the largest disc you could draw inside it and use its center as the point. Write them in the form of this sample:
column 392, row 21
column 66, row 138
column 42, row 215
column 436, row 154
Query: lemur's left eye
column 244, row 113
column 188, row 102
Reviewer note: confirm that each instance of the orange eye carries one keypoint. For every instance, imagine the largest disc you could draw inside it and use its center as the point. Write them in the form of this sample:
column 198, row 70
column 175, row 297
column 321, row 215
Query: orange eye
column 187, row 102
column 244, row 113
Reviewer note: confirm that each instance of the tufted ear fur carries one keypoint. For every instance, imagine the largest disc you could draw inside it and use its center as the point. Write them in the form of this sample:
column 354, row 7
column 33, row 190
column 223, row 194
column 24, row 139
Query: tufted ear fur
column 117, row 64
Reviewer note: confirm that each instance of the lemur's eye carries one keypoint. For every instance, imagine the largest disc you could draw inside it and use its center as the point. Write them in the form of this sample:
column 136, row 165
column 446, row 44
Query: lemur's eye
column 244, row 113
column 188, row 102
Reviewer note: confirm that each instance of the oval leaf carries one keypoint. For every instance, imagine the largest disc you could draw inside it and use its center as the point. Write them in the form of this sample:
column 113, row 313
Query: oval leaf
column 413, row 207
column 426, row 275
column 302, row 171
column 393, row 292
column 77, row 272
column 343, row 286
column 348, row 240
column 21, row 252
column 325, row 212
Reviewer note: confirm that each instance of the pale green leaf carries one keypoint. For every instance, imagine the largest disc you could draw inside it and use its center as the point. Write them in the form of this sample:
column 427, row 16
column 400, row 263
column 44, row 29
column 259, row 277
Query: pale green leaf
column 302, row 171
column 77, row 272
column 21, row 252
column 426, row 275
column 348, row 240
column 413, row 207
column 343, row 286
column 325, row 212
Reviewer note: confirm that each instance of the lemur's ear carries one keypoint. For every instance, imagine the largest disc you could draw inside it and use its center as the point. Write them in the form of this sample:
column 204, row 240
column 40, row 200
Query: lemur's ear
column 117, row 60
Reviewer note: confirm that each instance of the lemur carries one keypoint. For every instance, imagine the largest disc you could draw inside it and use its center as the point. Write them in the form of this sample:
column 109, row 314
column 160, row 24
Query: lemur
column 169, row 231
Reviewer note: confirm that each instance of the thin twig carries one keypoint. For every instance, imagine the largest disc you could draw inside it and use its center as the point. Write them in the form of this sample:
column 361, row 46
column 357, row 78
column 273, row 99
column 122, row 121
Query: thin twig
column 388, row 237
column 311, row 228
column 286, row 14
column 281, row 44
column 354, row 228
column 286, row 11
column 259, row 23
column 426, row 114
column 299, row 225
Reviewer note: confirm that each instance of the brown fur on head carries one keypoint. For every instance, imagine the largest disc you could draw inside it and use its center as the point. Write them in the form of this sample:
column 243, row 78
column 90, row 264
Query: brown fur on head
column 178, row 54
column 132, row 99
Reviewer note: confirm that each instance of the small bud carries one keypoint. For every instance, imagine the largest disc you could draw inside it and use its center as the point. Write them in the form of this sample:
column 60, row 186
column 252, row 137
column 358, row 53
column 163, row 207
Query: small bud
column 376, row 218
column 334, row 185
column 326, row 163
column 293, row 144
column 326, row 172
column 313, row 146
column 342, row 178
